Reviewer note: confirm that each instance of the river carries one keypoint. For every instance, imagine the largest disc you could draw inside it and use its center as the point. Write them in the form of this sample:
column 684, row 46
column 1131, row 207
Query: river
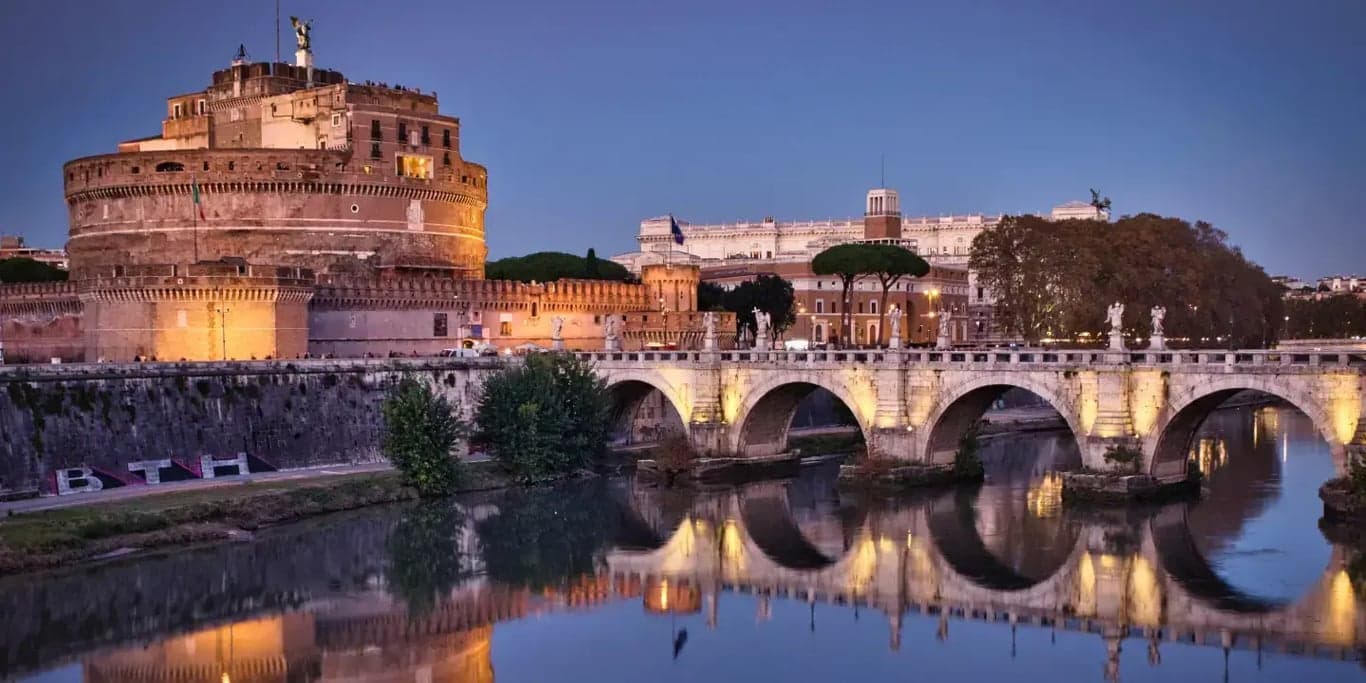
column 783, row 581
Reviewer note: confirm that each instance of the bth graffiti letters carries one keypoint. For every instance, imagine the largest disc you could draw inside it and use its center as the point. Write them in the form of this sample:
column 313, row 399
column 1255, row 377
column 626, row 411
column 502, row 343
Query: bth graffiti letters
column 84, row 479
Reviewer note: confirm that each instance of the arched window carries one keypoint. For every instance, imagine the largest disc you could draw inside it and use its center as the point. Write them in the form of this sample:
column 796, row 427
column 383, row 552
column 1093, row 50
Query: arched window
column 170, row 167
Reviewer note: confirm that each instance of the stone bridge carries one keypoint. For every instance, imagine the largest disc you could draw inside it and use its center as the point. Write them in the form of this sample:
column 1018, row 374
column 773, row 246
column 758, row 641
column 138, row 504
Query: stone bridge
column 1117, row 575
column 916, row 404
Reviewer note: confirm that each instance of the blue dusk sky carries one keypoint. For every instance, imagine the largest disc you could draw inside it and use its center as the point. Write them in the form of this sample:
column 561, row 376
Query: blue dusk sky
column 593, row 115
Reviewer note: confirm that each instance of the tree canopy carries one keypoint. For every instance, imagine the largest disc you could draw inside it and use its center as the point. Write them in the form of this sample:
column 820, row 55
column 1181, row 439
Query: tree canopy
column 547, row 266
column 1333, row 317
column 769, row 293
column 29, row 270
column 711, row 297
column 852, row 262
column 545, row 417
column 1055, row 279
column 889, row 264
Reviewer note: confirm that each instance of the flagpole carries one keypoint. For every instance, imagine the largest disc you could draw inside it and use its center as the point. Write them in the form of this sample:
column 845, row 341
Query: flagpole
column 668, row 255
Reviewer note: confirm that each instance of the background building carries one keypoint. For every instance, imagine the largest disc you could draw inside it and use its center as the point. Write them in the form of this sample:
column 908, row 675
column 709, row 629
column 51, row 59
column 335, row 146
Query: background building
column 730, row 253
column 12, row 246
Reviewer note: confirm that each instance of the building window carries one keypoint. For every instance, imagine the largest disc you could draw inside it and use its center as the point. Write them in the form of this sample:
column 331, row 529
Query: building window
column 818, row 284
column 446, row 137
column 860, row 307
column 232, row 165
column 872, row 307
column 175, row 111
column 445, row 158
column 505, row 329
column 375, row 133
column 413, row 166
column 374, row 150
column 402, row 131
column 439, row 325
column 979, row 294
column 535, row 309
column 820, row 305
column 336, row 119
column 819, row 335
column 201, row 107
column 426, row 136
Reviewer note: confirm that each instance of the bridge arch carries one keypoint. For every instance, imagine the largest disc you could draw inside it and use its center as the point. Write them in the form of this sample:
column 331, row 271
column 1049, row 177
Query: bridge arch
column 1168, row 449
column 963, row 405
column 761, row 424
column 629, row 390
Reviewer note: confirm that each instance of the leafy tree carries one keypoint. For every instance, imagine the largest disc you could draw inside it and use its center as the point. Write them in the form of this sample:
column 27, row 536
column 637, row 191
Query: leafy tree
column 421, row 432
column 1055, row 279
column 29, row 270
column 889, row 264
column 1332, row 317
column 769, row 293
column 548, row 266
column 545, row 417
column 848, row 262
column 425, row 561
column 711, row 297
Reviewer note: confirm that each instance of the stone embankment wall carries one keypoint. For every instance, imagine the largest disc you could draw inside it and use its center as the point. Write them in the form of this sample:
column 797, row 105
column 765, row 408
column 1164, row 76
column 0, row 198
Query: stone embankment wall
column 73, row 427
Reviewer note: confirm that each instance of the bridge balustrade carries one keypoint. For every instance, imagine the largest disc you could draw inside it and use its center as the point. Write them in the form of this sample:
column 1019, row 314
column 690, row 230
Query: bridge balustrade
column 990, row 357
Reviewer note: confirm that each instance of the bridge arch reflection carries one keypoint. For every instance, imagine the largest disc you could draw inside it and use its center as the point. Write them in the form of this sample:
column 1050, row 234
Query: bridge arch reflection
column 1117, row 573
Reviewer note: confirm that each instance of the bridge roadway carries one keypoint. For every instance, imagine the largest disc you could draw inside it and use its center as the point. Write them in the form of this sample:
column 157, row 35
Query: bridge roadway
column 916, row 404
column 1118, row 575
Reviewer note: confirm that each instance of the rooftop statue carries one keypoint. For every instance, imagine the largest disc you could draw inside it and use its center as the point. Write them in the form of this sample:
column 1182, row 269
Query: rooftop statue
column 303, row 33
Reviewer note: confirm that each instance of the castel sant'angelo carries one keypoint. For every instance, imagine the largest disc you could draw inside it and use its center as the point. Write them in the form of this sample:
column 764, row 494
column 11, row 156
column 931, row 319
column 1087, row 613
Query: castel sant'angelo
column 286, row 210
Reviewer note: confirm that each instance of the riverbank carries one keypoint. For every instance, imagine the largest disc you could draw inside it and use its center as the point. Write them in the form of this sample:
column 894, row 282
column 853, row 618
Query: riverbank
column 83, row 533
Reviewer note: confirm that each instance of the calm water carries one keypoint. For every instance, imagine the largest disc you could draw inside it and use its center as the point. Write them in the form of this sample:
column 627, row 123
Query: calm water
column 782, row 581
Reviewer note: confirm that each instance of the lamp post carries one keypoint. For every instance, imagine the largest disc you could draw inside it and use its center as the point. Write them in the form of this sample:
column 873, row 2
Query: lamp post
column 222, row 312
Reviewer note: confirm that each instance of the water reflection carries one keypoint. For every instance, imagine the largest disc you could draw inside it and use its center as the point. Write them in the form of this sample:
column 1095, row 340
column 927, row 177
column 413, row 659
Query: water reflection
column 606, row 580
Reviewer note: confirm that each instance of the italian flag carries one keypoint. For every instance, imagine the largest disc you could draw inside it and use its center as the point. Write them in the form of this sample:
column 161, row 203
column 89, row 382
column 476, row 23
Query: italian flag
column 194, row 191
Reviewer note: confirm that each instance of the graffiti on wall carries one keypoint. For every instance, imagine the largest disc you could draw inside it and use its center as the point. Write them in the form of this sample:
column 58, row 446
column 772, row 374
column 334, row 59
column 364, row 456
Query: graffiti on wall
column 85, row 479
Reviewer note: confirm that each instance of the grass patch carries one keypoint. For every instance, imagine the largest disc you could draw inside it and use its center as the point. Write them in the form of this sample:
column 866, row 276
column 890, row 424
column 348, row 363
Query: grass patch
column 52, row 537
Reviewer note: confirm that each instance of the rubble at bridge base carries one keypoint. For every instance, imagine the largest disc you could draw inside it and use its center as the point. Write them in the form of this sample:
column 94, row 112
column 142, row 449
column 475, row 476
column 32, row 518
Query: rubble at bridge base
column 901, row 477
column 1102, row 488
column 1341, row 503
column 720, row 470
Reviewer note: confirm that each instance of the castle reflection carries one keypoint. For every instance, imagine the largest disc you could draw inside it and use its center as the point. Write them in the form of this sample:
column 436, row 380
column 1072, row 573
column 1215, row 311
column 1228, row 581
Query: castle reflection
column 363, row 599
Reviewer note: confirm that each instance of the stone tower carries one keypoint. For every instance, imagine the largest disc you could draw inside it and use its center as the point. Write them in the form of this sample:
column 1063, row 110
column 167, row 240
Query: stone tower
column 672, row 287
column 882, row 215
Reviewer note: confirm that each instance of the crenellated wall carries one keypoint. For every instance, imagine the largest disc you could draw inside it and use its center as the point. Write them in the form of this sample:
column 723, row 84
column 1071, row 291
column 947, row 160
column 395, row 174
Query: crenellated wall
column 40, row 321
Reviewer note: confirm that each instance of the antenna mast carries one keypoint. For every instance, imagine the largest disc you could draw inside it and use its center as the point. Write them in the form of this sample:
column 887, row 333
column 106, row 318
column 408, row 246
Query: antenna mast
column 882, row 161
column 277, row 31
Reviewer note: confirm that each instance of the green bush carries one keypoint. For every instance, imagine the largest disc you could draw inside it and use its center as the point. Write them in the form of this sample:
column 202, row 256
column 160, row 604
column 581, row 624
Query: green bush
column 1123, row 458
column 544, row 418
column 966, row 463
column 421, row 432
